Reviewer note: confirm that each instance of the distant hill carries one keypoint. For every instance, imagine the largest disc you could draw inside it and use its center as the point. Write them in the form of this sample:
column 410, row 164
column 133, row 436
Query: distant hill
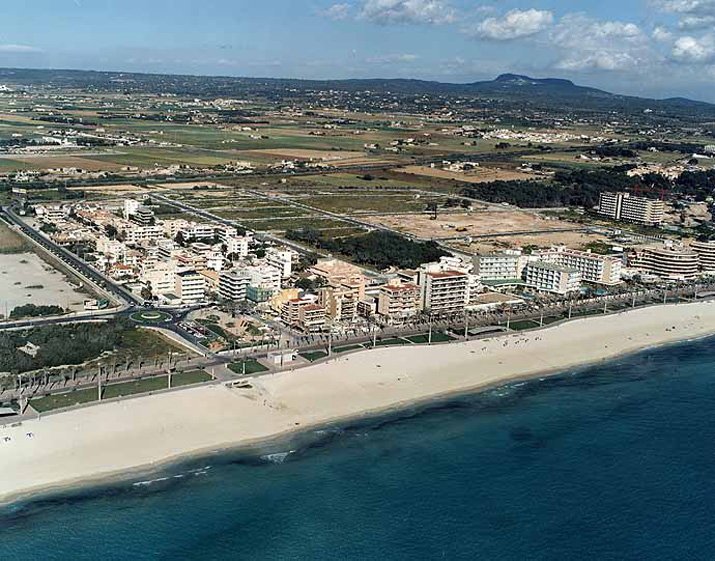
column 549, row 93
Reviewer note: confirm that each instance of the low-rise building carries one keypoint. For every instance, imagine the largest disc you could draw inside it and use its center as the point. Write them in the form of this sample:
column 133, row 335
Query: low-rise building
column 143, row 234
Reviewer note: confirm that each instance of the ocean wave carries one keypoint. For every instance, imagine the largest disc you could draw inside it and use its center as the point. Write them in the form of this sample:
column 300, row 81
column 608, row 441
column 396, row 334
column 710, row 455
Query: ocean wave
column 278, row 457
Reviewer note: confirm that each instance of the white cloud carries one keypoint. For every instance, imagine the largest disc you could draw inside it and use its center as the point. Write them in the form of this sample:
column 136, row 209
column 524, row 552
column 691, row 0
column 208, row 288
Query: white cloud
column 386, row 12
column 693, row 50
column 689, row 23
column 513, row 25
column 10, row 48
column 598, row 61
column 662, row 35
column 390, row 59
column 588, row 43
column 702, row 7
column 337, row 12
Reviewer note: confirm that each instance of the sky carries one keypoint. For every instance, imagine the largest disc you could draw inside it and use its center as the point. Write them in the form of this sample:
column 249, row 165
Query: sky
column 654, row 48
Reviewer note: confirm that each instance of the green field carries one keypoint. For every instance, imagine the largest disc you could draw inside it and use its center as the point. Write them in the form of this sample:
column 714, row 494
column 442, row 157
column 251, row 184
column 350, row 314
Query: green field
column 436, row 338
column 392, row 341
column 313, row 356
column 350, row 180
column 59, row 401
column 124, row 389
column 252, row 367
column 347, row 349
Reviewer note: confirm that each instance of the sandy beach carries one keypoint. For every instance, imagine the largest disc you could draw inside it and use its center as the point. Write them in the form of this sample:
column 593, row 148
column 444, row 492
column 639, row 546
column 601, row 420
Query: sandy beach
column 85, row 445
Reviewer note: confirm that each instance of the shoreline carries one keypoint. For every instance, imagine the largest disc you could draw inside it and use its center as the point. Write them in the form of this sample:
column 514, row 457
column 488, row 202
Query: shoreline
column 116, row 441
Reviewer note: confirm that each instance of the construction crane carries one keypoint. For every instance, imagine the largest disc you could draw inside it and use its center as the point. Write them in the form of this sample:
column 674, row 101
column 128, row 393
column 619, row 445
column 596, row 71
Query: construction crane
column 640, row 189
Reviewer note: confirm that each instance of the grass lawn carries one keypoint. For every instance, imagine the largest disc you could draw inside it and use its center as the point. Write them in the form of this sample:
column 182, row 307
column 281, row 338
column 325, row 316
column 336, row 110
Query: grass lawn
column 436, row 338
column 313, row 356
column 58, row 401
column 585, row 313
column 522, row 325
column 190, row 377
column 252, row 367
column 217, row 330
column 137, row 387
column 348, row 348
column 393, row 341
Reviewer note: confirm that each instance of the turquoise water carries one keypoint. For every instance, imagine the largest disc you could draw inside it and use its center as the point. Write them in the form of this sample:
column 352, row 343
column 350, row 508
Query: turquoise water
column 612, row 462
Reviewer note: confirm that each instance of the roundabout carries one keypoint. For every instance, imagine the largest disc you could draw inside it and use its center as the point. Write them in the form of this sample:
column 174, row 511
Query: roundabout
column 151, row 317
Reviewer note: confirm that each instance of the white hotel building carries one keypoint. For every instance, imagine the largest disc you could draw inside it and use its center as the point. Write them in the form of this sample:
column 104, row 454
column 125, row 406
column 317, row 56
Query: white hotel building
column 549, row 277
column 595, row 268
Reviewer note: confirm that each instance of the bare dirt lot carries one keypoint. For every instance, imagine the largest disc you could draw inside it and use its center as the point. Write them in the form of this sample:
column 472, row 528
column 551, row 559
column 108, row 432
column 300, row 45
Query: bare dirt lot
column 479, row 175
column 574, row 240
column 470, row 224
column 111, row 189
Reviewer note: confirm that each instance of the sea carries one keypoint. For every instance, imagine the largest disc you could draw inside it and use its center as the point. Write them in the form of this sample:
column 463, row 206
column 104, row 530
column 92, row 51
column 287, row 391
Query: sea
column 613, row 461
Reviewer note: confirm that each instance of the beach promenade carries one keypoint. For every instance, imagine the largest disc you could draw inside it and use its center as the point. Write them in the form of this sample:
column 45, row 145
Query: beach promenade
column 89, row 444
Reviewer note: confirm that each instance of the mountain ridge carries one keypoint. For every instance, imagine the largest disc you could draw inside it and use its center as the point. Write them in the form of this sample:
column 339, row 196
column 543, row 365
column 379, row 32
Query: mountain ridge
column 547, row 92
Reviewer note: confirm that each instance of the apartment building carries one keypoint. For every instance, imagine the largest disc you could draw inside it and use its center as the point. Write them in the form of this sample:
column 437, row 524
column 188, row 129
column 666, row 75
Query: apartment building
column 669, row 262
column 304, row 314
column 232, row 285
column 553, row 278
column 143, row 234
column 281, row 259
column 367, row 307
column 626, row 207
column 130, row 207
column 143, row 216
column 190, row 287
column 706, row 255
column 198, row 232
column 236, row 245
column 339, row 303
column 595, row 268
column 398, row 300
column 444, row 292
column 265, row 276
column 499, row 267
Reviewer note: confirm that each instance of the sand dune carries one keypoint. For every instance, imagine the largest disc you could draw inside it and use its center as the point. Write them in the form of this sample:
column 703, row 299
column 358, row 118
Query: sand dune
column 87, row 444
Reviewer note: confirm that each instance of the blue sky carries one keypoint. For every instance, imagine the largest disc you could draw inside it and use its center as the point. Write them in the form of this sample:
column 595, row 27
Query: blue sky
column 647, row 47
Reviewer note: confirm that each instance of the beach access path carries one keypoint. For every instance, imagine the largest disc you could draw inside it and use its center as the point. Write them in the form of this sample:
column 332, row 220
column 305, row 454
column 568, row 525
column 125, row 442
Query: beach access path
column 90, row 444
